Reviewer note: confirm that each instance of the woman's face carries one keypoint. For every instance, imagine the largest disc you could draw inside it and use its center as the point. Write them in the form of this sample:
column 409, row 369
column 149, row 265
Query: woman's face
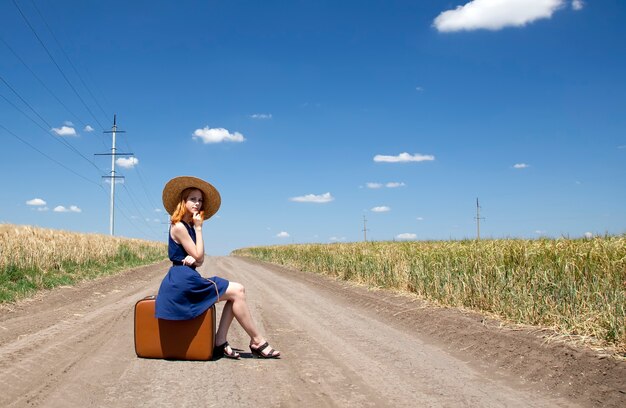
column 194, row 201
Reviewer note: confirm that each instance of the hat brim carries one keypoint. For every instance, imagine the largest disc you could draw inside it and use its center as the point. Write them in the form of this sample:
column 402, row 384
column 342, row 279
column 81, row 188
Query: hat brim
column 174, row 188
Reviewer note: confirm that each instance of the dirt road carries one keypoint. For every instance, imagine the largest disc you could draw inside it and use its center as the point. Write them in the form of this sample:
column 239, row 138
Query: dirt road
column 342, row 345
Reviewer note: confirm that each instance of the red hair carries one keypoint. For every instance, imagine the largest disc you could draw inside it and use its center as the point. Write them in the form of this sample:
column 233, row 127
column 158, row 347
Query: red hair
column 181, row 210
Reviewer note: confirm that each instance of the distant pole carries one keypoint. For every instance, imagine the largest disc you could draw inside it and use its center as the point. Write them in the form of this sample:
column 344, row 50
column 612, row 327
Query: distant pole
column 364, row 228
column 478, row 218
column 113, row 177
column 112, row 204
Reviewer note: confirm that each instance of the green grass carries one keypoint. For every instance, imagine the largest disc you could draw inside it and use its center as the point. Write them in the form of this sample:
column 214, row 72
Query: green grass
column 32, row 259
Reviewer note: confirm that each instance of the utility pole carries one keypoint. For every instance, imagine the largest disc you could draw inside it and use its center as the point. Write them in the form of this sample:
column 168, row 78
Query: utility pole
column 113, row 177
column 365, row 229
column 478, row 218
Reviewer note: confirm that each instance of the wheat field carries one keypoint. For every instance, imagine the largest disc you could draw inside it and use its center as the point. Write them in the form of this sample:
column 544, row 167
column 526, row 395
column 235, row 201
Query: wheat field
column 575, row 286
column 34, row 258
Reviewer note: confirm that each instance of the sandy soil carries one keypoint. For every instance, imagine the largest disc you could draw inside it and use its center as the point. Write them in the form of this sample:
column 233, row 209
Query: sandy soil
column 342, row 345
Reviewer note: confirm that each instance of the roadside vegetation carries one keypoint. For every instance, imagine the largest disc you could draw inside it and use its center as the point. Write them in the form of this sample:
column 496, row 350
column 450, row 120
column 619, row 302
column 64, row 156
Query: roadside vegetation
column 575, row 286
column 36, row 258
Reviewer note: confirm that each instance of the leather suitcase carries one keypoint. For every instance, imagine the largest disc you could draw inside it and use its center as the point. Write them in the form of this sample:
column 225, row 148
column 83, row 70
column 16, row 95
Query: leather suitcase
column 173, row 339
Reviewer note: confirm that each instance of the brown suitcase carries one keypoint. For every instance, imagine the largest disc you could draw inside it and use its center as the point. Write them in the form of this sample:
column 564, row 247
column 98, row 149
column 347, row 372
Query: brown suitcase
column 173, row 339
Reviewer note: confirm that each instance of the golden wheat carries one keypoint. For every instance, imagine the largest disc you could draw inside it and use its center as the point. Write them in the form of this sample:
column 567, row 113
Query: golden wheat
column 32, row 258
column 576, row 286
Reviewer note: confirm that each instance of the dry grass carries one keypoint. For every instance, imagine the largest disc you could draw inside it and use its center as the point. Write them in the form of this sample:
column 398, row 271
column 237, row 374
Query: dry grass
column 35, row 258
column 575, row 286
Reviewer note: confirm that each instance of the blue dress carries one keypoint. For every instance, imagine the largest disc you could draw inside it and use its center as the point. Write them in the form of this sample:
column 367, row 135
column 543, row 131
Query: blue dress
column 184, row 294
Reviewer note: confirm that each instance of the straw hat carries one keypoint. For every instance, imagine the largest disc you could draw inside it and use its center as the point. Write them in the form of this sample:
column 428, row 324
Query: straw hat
column 174, row 187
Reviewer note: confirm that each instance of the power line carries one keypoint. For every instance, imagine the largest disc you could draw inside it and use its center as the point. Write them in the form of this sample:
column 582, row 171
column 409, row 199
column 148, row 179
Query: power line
column 60, row 140
column 138, row 211
column 48, row 157
column 56, row 64
column 130, row 194
column 25, row 103
column 66, row 168
column 121, row 208
column 42, row 82
column 71, row 171
column 143, row 184
column 98, row 89
column 68, row 58
column 113, row 177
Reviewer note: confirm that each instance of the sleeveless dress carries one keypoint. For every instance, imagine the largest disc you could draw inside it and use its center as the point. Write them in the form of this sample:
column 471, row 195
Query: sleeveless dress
column 184, row 294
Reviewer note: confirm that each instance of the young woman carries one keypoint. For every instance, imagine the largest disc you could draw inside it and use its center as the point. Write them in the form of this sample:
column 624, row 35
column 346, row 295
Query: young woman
column 184, row 294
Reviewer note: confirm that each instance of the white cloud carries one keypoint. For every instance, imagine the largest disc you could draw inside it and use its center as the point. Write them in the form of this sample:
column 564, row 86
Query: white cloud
column 578, row 4
column 337, row 239
column 117, row 181
column 261, row 116
column 158, row 210
column 88, row 129
column 312, row 198
column 588, row 235
column 217, row 135
column 403, row 158
column 521, row 166
column 406, row 236
column 420, row 218
column 282, row 234
column 36, row 201
column 127, row 162
column 495, row 14
column 382, row 208
column 392, row 184
column 68, row 123
column 419, row 88
column 72, row 208
column 540, row 232
column 65, row 131
column 42, row 208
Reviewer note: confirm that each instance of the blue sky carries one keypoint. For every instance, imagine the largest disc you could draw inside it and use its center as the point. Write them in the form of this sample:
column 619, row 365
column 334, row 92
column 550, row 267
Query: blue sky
column 310, row 115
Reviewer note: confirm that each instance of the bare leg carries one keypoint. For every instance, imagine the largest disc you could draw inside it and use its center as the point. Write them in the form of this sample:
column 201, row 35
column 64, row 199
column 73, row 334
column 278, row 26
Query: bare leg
column 237, row 307
column 225, row 321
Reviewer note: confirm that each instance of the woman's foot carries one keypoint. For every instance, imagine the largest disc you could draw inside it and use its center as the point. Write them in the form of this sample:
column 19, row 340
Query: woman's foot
column 264, row 351
column 225, row 350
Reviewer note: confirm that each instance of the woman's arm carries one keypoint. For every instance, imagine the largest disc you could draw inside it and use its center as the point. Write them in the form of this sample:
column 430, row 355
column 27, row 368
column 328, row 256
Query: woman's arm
column 181, row 235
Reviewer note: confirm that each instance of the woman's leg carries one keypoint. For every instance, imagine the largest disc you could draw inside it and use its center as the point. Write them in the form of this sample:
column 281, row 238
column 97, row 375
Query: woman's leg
column 222, row 331
column 225, row 321
column 237, row 307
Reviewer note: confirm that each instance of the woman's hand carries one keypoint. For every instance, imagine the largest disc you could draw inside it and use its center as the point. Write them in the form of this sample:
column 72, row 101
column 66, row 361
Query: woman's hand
column 198, row 219
column 189, row 260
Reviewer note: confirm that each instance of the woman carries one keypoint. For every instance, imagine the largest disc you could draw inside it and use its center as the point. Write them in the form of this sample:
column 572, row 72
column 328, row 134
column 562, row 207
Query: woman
column 184, row 294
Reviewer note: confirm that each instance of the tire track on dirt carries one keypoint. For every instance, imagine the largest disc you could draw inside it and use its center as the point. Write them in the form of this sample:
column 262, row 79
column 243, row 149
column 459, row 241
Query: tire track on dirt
column 57, row 333
column 342, row 346
column 357, row 359
column 519, row 357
